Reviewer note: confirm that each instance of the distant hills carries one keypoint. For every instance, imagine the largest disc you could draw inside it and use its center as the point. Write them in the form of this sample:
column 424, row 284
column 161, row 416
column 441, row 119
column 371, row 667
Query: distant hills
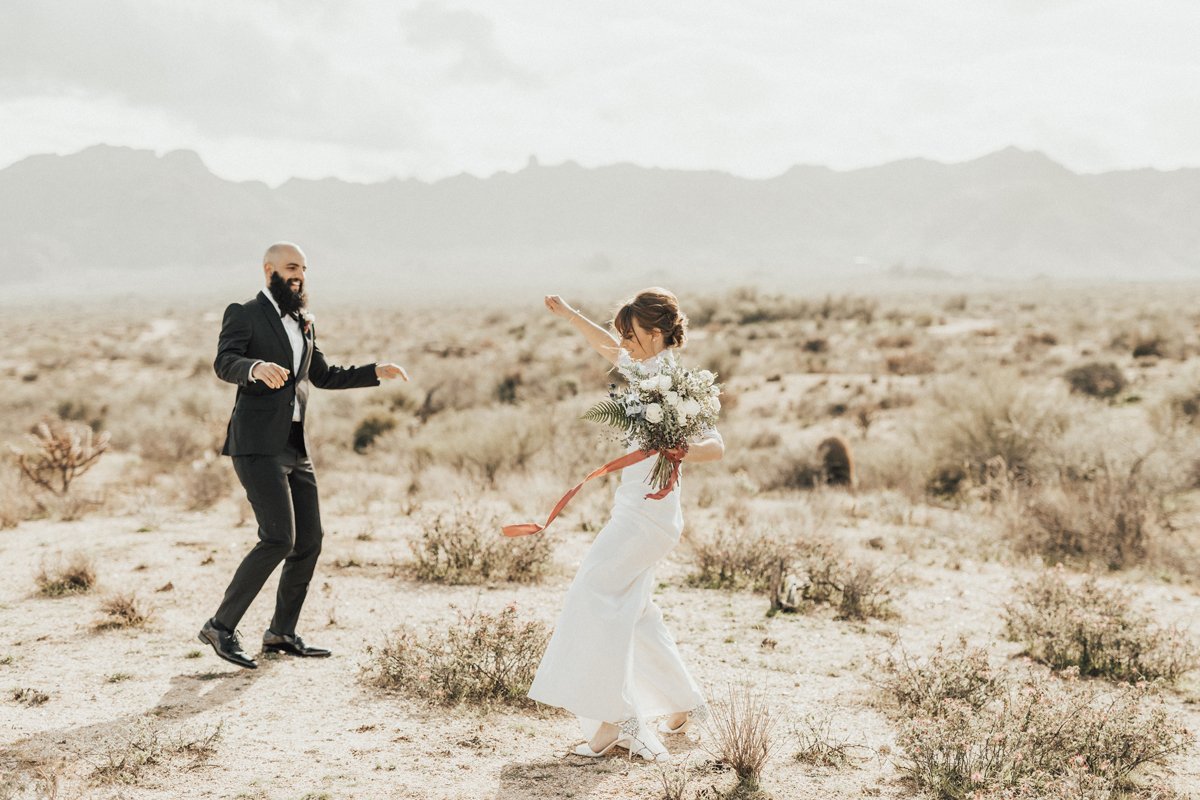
column 167, row 221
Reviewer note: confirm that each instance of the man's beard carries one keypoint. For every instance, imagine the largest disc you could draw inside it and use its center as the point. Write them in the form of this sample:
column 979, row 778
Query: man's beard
column 289, row 302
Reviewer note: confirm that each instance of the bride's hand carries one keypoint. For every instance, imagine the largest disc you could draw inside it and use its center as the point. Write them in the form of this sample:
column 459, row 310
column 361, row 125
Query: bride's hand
column 676, row 453
column 558, row 307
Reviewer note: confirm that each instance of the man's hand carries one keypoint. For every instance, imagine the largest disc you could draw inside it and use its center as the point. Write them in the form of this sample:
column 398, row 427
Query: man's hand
column 389, row 371
column 272, row 375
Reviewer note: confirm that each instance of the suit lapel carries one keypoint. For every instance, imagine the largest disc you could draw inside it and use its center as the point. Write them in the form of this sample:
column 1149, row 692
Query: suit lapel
column 305, row 355
column 277, row 325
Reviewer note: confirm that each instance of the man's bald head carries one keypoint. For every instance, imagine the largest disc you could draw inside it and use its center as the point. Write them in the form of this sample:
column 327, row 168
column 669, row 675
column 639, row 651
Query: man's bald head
column 282, row 253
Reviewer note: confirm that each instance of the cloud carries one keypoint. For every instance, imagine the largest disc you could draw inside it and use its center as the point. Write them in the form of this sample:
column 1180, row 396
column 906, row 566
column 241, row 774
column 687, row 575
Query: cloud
column 225, row 73
column 470, row 35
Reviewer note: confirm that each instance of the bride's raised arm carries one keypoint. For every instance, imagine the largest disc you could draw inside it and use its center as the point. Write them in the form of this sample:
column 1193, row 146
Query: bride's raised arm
column 600, row 339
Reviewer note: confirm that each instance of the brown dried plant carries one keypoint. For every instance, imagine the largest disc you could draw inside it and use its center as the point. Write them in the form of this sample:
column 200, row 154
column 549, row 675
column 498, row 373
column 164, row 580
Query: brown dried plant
column 60, row 454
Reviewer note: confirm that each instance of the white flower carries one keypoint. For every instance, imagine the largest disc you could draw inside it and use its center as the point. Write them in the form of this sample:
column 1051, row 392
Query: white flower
column 705, row 376
column 654, row 413
column 664, row 382
column 690, row 407
column 648, row 385
column 672, row 399
column 683, row 418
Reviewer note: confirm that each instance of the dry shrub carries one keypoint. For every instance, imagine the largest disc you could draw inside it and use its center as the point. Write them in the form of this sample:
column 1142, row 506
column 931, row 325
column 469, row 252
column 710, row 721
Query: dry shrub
column 820, row 573
column 175, row 440
column 464, row 546
column 742, row 728
column 129, row 751
column 29, row 696
column 59, row 453
column 24, row 775
column 488, row 444
column 1094, row 630
column 480, row 659
column 16, row 504
column 976, row 425
column 123, row 611
column 209, row 481
column 910, row 363
column 369, row 429
column 1096, row 379
column 76, row 576
column 819, row 747
column 1102, row 515
column 735, row 558
column 831, row 463
column 968, row 731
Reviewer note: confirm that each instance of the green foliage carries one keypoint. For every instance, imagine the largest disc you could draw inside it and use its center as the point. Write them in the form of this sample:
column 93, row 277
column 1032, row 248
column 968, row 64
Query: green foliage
column 609, row 412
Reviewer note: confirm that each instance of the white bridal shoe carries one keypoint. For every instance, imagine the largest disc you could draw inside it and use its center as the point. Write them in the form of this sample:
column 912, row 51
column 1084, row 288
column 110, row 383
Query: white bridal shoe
column 686, row 726
column 586, row 750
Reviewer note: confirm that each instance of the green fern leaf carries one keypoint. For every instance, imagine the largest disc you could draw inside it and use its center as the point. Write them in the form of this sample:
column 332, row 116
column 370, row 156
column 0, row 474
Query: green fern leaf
column 609, row 413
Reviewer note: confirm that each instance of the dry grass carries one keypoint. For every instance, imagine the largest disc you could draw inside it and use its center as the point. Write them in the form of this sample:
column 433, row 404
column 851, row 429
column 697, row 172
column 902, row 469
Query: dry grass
column 1081, row 625
column 819, row 747
column 124, row 611
column 464, row 546
column 129, row 752
column 742, row 727
column 970, row 731
column 76, row 576
column 481, row 659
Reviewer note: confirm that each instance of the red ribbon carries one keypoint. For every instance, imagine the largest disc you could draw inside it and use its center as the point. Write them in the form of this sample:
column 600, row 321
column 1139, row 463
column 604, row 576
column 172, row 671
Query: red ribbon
column 629, row 459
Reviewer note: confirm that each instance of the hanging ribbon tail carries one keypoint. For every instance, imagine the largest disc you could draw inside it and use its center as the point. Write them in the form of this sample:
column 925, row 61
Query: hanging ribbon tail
column 666, row 490
column 527, row 528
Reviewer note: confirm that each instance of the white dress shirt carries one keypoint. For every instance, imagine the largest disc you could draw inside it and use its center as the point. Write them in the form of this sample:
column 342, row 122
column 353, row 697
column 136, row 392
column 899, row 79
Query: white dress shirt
column 296, row 336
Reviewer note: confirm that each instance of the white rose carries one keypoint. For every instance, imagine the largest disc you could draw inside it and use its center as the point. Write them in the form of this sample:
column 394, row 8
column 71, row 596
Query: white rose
column 705, row 376
column 654, row 413
column 690, row 407
column 664, row 382
column 671, row 399
column 648, row 385
column 683, row 418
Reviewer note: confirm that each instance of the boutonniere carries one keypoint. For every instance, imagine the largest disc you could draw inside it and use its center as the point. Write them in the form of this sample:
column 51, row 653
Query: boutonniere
column 307, row 318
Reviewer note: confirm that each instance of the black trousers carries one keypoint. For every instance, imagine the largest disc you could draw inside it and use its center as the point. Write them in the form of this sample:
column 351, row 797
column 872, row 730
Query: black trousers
column 282, row 490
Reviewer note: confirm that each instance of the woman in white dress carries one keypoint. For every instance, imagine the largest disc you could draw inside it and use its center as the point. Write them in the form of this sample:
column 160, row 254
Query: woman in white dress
column 611, row 661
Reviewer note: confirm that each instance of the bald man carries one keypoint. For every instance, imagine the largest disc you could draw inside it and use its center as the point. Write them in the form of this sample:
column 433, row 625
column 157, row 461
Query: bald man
column 268, row 349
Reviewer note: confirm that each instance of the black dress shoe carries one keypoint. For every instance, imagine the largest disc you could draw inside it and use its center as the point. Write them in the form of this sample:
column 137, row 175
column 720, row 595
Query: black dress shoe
column 226, row 645
column 291, row 644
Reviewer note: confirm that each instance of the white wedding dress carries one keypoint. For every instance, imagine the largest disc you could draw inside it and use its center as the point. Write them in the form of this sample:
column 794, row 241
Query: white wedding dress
column 611, row 657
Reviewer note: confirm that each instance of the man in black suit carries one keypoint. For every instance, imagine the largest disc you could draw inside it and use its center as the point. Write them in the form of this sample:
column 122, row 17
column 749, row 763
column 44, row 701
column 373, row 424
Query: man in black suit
column 270, row 450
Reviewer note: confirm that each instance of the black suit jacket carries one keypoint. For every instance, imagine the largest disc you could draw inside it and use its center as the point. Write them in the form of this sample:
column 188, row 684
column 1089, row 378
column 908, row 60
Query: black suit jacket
column 262, row 416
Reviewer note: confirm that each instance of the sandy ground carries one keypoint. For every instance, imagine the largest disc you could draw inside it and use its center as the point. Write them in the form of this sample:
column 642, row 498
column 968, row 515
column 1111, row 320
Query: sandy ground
column 312, row 729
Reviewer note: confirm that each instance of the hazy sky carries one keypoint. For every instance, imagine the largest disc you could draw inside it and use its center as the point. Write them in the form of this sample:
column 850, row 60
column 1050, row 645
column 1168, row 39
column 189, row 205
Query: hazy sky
column 368, row 89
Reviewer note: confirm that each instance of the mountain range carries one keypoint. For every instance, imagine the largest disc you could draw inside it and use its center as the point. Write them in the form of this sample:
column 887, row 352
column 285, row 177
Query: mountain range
column 165, row 221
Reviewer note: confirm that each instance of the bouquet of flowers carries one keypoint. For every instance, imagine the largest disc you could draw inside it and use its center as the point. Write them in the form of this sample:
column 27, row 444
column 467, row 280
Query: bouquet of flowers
column 661, row 409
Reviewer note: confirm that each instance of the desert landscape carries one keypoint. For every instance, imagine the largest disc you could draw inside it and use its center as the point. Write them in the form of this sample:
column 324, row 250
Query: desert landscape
column 997, row 599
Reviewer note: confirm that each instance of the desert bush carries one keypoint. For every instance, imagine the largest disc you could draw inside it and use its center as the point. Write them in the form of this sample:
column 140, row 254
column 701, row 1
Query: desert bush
column 496, row 440
column 968, row 731
column 76, row 576
column 464, row 546
column 1094, row 630
column 819, row 747
column 369, row 429
column 1096, row 379
column 481, row 659
column 910, row 363
column 123, row 611
column 821, row 574
column 734, row 558
column 16, row 504
column 976, row 425
column 175, row 441
column 742, row 727
column 59, row 453
column 127, row 752
column 1104, row 515
column 209, row 481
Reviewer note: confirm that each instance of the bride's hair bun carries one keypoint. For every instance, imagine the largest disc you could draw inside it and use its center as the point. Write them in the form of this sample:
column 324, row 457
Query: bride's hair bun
column 654, row 309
